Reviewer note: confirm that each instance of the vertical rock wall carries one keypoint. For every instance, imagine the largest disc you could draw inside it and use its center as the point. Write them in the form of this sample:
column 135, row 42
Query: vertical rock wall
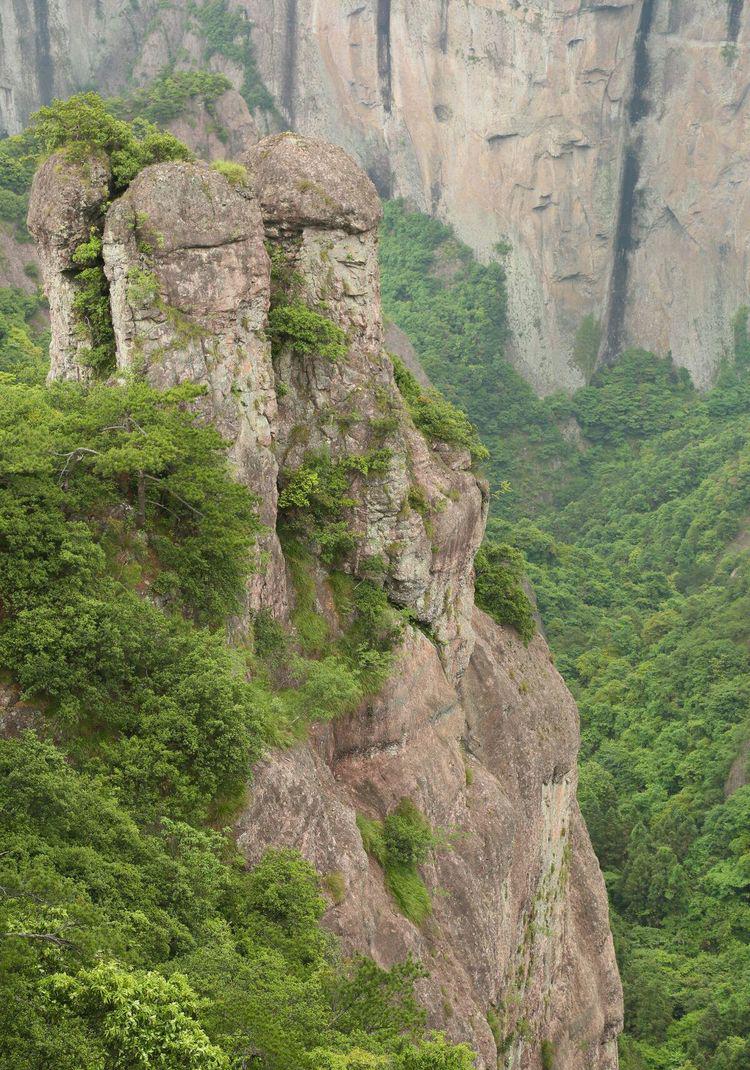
column 689, row 214
column 504, row 119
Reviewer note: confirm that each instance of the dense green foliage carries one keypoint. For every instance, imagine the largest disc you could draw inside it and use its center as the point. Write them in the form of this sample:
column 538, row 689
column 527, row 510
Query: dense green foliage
column 169, row 96
column 227, row 31
column 454, row 312
column 401, row 844
column 125, row 946
column 434, row 416
column 634, row 527
column 22, row 350
column 84, row 124
column 499, row 592
column 131, row 933
column 306, row 331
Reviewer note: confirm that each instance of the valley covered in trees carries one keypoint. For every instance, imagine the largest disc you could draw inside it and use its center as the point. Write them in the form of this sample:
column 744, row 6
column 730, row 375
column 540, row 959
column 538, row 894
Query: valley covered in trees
column 630, row 503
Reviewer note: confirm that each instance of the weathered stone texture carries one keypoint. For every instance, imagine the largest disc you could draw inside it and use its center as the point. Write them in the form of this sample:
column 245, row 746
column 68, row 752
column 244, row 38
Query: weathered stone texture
column 520, row 918
column 67, row 199
column 520, row 923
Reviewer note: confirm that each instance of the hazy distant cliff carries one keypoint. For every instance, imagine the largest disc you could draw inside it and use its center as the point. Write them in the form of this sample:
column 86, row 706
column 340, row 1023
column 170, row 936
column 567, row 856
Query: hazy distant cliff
column 603, row 139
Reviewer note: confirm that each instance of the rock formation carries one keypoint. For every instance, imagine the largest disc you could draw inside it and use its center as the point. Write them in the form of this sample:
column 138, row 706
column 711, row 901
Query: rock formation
column 604, row 140
column 66, row 201
column 476, row 729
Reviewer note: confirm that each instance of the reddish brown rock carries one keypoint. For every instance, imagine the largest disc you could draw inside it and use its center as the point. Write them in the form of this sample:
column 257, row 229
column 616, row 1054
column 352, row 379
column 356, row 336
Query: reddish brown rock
column 520, row 927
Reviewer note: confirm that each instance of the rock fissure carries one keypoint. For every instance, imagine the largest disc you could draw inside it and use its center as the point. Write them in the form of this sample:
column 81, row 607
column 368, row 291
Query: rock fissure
column 289, row 80
column 734, row 18
column 385, row 69
column 624, row 233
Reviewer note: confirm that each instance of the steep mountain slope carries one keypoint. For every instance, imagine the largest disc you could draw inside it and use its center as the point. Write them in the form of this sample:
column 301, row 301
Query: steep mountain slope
column 439, row 805
column 630, row 502
column 603, row 141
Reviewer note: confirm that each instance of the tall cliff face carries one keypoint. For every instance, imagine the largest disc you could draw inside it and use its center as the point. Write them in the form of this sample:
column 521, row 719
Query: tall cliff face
column 603, row 140
column 476, row 729
column 685, row 208
column 504, row 119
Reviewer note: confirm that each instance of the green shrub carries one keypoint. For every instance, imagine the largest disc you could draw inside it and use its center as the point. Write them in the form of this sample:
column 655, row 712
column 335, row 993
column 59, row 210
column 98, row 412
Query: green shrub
column 498, row 590
column 234, row 173
column 170, row 95
column 436, row 418
column 410, row 892
column 407, row 836
column 158, row 941
column 548, row 1055
column 400, row 844
column 317, row 496
column 305, row 332
column 83, row 125
column 335, row 884
column 93, row 317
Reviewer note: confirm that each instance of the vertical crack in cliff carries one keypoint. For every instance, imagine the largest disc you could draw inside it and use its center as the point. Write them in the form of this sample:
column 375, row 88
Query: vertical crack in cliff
column 384, row 53
column 624, row 238
column 639, row 103
column 289, row 75
column 734, row 18
column 44, row 69
column 443, row 35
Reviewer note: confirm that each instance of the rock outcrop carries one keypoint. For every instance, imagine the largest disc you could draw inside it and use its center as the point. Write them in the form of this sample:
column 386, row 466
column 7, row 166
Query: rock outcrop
column 602, row 143
column 476, row 729
column 67, row 200
column 518, row 945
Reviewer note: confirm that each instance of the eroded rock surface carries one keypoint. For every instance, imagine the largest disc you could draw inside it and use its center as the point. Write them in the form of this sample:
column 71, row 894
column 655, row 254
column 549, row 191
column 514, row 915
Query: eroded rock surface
column 321, row 215
column 520, row 925
column 476, row 729
column 189, row 289
column 604, row 141
column 67, row 200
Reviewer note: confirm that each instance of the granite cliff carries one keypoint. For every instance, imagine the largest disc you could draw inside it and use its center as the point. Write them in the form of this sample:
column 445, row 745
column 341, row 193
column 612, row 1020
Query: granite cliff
column 602, row 141
column 476, row 729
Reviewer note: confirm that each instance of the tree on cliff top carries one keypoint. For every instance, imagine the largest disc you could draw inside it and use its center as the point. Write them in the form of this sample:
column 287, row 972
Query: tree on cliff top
column 84, row 124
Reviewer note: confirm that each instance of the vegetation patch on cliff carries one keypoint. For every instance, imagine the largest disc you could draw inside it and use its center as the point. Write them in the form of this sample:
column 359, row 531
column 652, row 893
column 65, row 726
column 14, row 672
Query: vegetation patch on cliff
column 434, row 416
column 401, row 844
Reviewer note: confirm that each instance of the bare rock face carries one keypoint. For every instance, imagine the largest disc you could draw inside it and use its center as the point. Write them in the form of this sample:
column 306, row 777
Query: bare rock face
column 67, row 200
column 688, row 245
column 519, row 931
column 189, row 290
column 303, row 181
column 505, row 119
column 321, row 214
column 603, row 143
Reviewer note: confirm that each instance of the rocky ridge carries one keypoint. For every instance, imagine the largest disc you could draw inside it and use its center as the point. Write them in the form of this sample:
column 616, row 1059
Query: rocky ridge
column 477, row 730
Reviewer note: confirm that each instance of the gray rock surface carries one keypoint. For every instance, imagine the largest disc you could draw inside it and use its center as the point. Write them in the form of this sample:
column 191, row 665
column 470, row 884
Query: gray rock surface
column 520, row 924
column 67, row 200
column 324, row 228
column 189, row 289
column 604, row 141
